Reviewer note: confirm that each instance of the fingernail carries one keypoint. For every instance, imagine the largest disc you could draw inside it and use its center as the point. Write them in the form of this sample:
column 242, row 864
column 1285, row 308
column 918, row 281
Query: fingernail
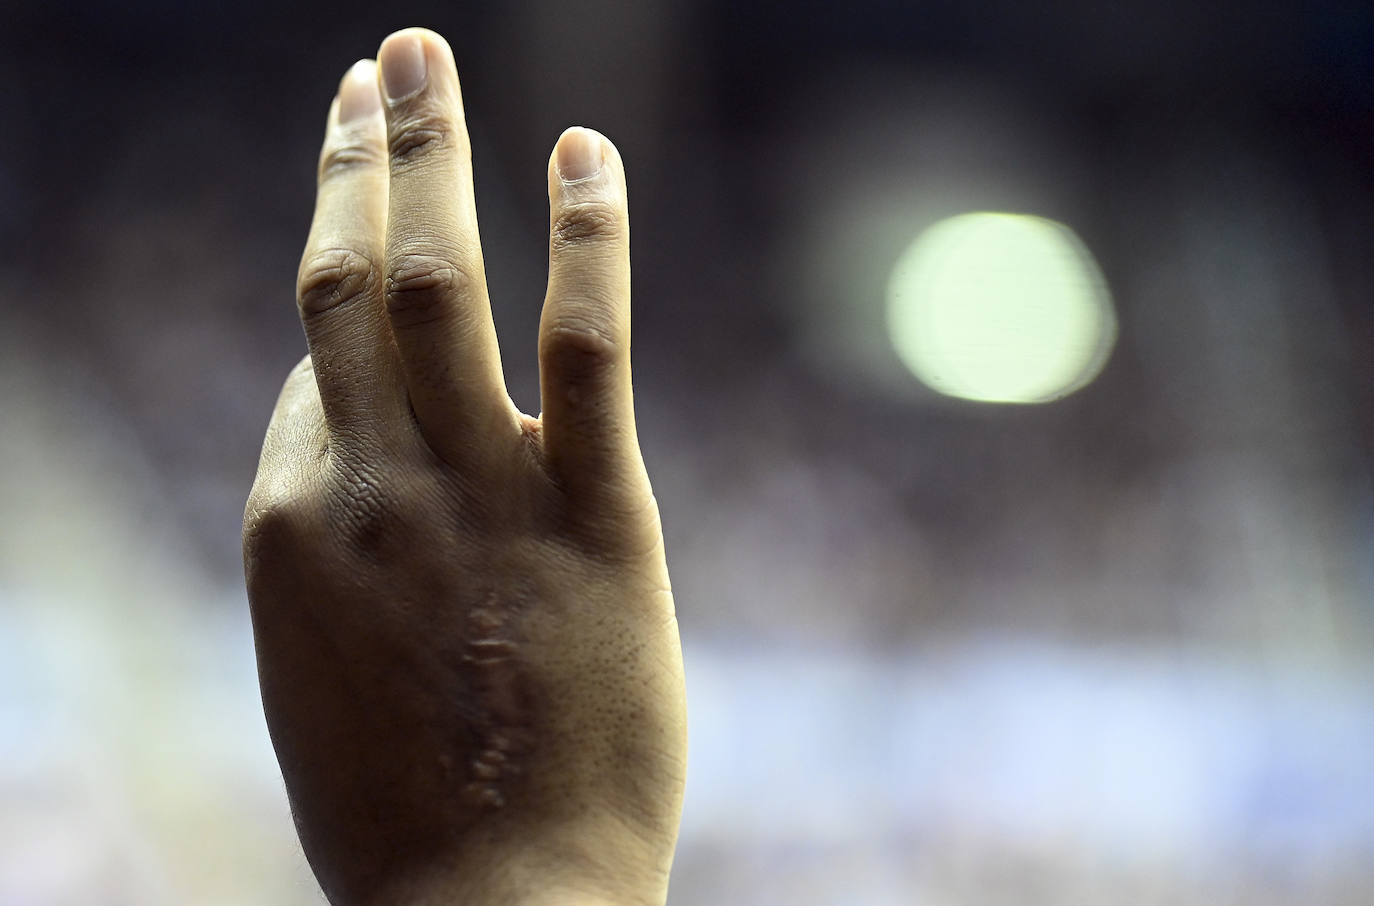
column 579, row 155
column 403, row 65
column 358, row 97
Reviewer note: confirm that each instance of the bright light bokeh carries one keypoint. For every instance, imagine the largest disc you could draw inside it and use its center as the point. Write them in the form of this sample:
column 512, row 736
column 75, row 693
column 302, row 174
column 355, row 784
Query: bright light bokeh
column 1003, row 308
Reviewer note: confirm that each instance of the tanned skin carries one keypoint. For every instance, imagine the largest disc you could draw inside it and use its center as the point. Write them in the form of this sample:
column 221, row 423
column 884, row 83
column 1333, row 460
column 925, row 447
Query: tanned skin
column 465, row 631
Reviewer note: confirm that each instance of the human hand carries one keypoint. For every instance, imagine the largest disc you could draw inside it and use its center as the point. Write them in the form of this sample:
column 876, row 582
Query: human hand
column 465, row 633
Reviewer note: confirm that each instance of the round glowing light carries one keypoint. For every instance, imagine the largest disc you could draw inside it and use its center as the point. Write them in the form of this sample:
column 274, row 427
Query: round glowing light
column 1004, row 308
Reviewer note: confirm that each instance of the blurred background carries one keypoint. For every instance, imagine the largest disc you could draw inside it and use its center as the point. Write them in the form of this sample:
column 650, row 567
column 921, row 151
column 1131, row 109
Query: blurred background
column 1019, row 560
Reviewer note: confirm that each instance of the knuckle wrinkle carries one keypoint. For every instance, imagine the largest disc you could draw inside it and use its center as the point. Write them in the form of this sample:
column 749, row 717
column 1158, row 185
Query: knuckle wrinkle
column 414, row 139
column 579, row 352
column 333, row 278
column 419, row 288
column 584, row 223
column 347, row 158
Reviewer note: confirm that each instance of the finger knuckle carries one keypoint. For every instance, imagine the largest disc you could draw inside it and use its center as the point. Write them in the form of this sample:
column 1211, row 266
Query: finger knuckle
column 415, row 138
column 419, row 288
column 579, row 351
column 333, row 278
column 586, row 222
column 270, row 528
column 366, row 515
column 350, row 157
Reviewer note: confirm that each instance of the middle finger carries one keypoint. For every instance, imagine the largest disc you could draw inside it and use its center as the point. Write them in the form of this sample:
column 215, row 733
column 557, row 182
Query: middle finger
column 436, row 290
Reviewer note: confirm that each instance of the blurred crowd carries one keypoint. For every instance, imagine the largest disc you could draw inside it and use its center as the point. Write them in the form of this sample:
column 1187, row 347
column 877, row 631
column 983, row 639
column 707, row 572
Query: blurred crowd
column 1115, row 648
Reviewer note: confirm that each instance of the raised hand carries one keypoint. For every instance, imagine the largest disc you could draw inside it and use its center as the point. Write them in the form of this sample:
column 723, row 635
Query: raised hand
column 465, row 632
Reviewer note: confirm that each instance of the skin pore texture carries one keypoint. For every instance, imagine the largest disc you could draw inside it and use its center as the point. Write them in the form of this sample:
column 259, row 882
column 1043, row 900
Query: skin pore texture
column 466, row 639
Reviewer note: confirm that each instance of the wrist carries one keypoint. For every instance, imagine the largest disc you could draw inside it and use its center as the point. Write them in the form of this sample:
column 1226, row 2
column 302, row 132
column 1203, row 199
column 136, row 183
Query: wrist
column 522, row 888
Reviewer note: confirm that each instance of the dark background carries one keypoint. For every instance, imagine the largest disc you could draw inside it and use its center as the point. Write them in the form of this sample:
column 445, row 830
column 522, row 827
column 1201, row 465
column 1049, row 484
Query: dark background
column 1195, row 526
